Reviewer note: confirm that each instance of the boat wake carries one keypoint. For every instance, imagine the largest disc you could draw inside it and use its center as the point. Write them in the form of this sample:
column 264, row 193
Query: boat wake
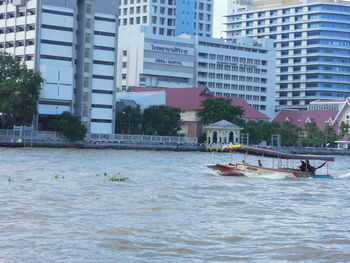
column 346, row 175
column 271, row 176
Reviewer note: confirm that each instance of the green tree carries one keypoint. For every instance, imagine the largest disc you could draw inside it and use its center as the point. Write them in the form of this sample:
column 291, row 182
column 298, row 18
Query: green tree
column 343, row 129
column 265, row 129
column 305, row 141
column 70, row 126
column 19, row 92
column 217, row 109
column 161, row 120
column 289, row 133
column 314, row 134
column 129, row 117
column 329, row 135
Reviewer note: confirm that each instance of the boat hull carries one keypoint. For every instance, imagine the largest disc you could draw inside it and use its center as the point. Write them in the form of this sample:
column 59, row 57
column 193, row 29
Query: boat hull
column 248, row 168
column 226, row 170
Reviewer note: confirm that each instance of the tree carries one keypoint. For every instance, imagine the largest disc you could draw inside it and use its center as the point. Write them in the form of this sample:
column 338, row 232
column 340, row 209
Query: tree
column 314, row 133
column 249, row 127
column 289, row 133
column 343, row 129
column 262, row 130
column 217, row 109
column 70, row 126
column 19, row 92
column 129, row 118
column 265, row 129
column 161, row 120
column 329, row 135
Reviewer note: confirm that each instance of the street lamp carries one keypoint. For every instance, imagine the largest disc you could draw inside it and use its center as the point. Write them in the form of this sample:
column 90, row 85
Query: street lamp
column 129, row 115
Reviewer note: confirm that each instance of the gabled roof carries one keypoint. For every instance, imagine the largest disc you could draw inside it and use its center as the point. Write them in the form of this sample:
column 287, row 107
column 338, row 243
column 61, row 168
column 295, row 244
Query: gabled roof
column 249, row 111
column 226, row 124
column 346, row 104
column 187, row 98
column 191, row 99
column 299, row 118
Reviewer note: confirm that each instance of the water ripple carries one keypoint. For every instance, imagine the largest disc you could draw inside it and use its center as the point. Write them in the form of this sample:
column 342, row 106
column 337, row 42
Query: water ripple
column 55, row 208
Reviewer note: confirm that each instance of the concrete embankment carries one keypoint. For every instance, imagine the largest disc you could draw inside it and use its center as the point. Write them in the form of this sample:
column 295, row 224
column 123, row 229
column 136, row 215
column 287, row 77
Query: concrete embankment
column 117, row 146
column 164, row 147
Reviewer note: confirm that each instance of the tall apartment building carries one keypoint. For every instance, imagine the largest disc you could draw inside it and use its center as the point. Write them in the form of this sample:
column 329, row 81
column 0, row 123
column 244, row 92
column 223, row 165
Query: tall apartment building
column 169, row 17
column 244, row 68
column 312, row 39
column 73, row 44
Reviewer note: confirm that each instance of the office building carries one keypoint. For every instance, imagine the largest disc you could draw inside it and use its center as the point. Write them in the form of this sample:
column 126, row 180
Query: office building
column 244, row 68
column 73, row 44
column 312, row 39
column 169, row 17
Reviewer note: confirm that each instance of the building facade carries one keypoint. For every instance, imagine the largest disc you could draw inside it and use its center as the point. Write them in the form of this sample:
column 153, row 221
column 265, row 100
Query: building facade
column 244, row 68
column 312, row 40
column 169, row 17
column 73, row 44
column 145, row 59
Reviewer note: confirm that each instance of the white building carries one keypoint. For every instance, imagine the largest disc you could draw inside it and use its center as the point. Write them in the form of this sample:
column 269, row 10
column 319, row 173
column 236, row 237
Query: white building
column 169, row 17
column 145, row 59
column 244, row 69
column 73, row 44
column 312, row 40
column 335, row 104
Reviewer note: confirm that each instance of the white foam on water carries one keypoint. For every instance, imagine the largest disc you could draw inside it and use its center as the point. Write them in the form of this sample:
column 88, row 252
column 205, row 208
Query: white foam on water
column 271, row 176
column 347, row 175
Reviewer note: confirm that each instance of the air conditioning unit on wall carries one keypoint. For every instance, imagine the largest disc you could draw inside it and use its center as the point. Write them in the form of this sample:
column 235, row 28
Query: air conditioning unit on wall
column 18, row 2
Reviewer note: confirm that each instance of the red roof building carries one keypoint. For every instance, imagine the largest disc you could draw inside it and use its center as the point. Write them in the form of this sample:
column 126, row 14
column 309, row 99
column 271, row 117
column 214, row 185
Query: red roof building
column 322, row 118
column 189, row 100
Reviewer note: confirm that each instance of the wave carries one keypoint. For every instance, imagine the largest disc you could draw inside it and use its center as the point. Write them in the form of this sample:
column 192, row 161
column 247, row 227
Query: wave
column 346, row 175
column 272, row 176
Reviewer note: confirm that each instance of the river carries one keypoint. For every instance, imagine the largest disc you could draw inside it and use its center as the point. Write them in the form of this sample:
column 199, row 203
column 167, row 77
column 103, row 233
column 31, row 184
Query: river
column 58, row 206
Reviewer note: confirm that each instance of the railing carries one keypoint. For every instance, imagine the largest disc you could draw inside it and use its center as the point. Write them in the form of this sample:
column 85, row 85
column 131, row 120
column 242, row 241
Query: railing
column 56, row 137
column 115, row 138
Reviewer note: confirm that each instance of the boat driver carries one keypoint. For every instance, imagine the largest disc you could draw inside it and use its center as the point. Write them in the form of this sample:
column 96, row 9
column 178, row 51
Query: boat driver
column 302, row 167
column 308, row 167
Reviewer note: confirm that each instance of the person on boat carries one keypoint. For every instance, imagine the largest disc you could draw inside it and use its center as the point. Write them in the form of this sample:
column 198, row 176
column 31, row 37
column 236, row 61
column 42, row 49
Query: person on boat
column 309, row 168
column 259, row 162
column 302, row 167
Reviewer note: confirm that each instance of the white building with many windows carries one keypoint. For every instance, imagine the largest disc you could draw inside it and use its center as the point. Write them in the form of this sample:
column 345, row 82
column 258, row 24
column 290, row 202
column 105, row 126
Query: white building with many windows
column 169, row 17
column 312, row 39
column 73, row 44
column 244, row 68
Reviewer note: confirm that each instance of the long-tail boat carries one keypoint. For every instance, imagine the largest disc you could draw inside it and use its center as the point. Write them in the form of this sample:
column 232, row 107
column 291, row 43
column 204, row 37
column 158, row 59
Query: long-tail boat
column 282, row 163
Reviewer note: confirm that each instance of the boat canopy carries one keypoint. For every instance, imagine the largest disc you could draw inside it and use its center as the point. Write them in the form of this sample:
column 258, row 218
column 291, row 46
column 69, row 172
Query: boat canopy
column 274, row 154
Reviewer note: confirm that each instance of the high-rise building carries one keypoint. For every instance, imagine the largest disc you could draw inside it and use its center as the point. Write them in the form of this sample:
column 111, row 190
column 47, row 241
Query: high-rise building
column 312, row 39
column 244, row 68
column 169, row 17
column 73, row 44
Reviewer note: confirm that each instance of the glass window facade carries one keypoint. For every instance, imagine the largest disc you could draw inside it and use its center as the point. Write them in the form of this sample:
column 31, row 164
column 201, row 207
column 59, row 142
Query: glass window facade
column 313, row 49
